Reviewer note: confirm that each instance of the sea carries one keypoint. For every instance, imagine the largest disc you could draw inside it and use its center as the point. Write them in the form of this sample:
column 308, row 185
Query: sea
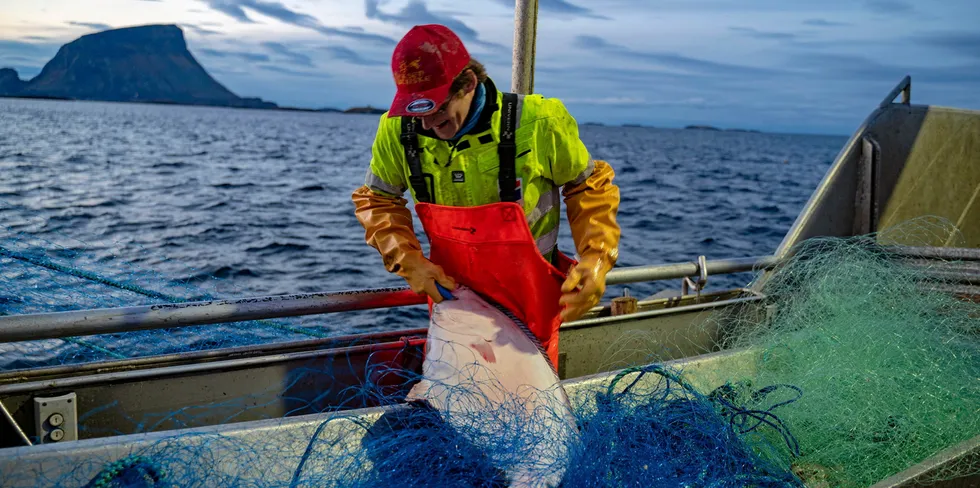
column 205, row 202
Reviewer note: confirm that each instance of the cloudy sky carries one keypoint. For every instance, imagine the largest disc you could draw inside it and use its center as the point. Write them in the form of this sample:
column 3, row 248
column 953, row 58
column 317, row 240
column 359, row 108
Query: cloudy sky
column 780, row 65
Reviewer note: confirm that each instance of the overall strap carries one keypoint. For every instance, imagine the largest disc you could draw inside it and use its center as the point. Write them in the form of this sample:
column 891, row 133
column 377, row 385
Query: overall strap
column 507, row 149
column 410, row 140
column 506, row 152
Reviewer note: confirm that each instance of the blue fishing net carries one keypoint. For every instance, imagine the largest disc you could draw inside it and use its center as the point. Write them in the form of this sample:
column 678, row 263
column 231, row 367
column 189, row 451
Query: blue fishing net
column 40, row 275
column 643, row 427
column 865, row 367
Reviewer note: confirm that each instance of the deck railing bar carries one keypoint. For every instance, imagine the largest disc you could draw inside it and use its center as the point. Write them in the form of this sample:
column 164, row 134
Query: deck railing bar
column 168, row 315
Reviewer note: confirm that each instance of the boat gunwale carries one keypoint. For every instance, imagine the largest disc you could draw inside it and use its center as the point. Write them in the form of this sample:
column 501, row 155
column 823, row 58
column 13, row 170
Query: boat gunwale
column 247, row 356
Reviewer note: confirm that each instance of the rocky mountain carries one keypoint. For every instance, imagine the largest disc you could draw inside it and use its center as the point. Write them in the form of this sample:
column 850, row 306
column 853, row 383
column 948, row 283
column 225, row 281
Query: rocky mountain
column 10, row 82
column 135, row 64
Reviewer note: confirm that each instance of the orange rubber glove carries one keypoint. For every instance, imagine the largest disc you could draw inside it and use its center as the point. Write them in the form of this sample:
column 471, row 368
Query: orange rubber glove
column 388, row 228
column 591, row 208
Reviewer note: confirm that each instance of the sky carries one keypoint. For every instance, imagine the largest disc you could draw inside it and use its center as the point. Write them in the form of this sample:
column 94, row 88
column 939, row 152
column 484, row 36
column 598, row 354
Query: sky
column 773, row 65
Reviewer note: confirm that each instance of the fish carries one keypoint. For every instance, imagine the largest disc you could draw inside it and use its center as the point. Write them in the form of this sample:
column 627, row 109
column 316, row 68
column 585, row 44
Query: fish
column 492, row 381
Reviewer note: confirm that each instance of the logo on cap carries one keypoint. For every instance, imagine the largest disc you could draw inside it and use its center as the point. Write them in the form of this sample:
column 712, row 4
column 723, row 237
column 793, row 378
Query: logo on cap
column 421, row 105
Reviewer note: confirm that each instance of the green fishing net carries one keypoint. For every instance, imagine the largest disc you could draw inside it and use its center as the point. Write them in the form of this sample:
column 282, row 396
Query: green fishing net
column 887, row 358
column 864, row 362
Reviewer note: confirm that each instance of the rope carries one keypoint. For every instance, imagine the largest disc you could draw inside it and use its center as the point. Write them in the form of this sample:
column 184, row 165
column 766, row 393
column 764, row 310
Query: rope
column 88, row 275
column 79, row 273
column 125, row 466
column 720, row 395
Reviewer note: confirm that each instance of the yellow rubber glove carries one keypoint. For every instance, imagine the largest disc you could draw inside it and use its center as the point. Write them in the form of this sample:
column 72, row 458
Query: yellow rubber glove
column 388, row 228
column 591, row 207
column 422, row 275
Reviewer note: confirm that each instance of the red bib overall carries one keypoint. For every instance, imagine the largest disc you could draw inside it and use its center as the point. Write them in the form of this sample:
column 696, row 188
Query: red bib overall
column 490, row 249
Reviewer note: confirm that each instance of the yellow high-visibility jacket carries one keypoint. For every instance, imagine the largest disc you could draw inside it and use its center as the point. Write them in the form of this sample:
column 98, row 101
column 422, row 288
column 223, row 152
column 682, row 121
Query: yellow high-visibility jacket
column 549, row 156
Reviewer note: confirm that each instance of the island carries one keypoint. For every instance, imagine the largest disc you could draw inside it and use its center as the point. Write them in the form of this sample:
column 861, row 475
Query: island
column 701, row 127
column 141, row 64
column 365, row 110
column 712, row 128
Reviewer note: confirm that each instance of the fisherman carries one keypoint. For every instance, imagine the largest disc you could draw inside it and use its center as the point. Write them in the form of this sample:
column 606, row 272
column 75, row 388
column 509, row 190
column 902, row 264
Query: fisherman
column 484, row 168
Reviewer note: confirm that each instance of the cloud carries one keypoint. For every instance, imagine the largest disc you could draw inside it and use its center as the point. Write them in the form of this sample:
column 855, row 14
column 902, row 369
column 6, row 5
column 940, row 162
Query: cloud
column 26, row 57
column 824, row 23
column 594, row 43
column 29, row 49
column 18, row 59
column 280, row 12
column 246, row 56
column 681, row 65
column 416, row 13
column 236, row 10
column 606, row 100
column 856, row 68
column 91, row 25
column 231, row 9
column 291, row 72
column 350, row 56
column 294, row 57
column 757, row 34
column 560, row 7
column 897, row 7
column 967, row 43
column 201, row 31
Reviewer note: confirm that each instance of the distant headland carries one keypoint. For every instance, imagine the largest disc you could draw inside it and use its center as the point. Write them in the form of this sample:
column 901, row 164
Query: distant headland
column 689, row 127
column 143, row 64
column 711, row 128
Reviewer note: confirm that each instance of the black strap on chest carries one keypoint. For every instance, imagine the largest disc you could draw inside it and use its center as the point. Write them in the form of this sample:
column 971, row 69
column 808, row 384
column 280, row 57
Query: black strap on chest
column 506, row 152
column 507, row 149
column 410, row 140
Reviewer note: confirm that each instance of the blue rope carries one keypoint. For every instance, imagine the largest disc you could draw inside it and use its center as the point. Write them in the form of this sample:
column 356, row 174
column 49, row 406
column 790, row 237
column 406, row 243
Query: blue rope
column 79, row 273
column 88, row 275
column 729, row 409
column 131, row 469
column 760, row 416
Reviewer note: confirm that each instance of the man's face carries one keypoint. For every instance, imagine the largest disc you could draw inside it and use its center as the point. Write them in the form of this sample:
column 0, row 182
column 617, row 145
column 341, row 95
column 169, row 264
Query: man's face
column 452, row 114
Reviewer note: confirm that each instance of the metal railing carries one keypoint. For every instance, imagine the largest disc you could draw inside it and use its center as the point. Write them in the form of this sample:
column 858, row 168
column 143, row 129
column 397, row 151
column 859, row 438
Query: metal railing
column 904, row 87
column 168, row 315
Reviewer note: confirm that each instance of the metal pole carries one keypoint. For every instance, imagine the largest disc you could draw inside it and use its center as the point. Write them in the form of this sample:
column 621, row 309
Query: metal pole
column 110, row 320
column 525, row 35
column 15, row 328
column 944, row 253
column 679, row 270
column 14, row 425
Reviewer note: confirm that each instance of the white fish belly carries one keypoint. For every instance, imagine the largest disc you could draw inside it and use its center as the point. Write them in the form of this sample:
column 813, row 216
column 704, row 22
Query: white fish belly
column 492, row 383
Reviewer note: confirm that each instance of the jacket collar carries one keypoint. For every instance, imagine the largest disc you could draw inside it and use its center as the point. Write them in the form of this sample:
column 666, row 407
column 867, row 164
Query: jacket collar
column 483, row 124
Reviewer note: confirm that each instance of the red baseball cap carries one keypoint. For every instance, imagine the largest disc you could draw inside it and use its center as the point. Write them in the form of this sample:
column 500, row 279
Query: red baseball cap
column 424, row 64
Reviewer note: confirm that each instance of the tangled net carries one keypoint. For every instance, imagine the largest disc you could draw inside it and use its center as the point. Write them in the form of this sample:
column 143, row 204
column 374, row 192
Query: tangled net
column 866, row 366
column 645, row 427
column 888, row 358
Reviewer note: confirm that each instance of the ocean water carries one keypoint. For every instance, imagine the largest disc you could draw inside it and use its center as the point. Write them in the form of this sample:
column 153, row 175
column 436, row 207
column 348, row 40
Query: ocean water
column 213, row 202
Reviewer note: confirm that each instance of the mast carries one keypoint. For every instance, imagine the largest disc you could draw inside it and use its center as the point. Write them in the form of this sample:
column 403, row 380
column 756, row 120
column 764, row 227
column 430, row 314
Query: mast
column 525, row 35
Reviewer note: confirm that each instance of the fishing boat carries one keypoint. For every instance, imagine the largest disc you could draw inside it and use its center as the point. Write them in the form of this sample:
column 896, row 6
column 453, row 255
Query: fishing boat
column 903, row 162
